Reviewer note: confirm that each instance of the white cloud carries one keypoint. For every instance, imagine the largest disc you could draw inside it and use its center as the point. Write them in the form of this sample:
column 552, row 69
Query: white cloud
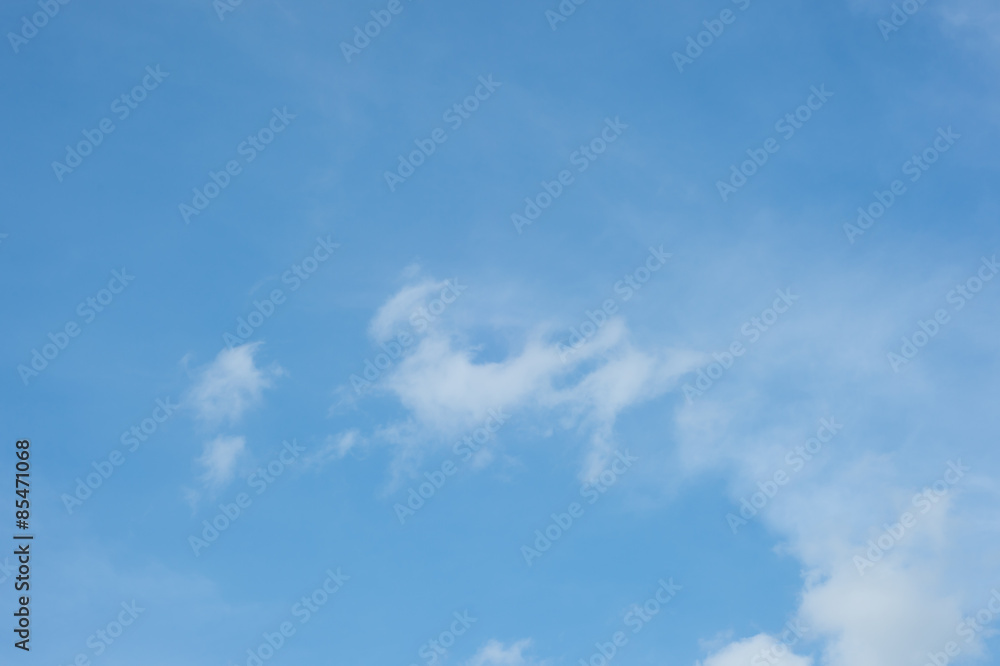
column 910, row 602
column 903, row 606
column 335, row 447
column 448, row 390
column 230, row 385
column 397, row 311
column 219, row 460
column 494, row 653
column 891, row 615
column 760, row 649
column 810, row 367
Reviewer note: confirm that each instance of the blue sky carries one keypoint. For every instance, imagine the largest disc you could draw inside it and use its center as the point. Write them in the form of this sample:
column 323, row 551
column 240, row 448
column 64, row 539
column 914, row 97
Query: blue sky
column 664, row 333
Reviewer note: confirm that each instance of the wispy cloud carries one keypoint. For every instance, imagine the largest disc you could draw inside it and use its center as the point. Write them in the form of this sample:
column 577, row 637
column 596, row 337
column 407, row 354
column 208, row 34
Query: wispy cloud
column 761, row 649
column 447, row 389
column 219, row 460
column 495, row 653
column 335, row 448
column 230, row 385
column 396, row 312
